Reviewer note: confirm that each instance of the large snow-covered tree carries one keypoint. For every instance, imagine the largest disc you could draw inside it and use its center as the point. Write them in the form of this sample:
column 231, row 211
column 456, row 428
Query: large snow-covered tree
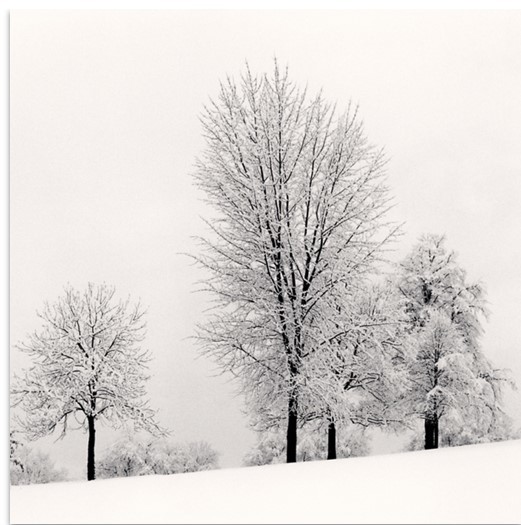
column 87, row 366
column 452, row 381
column 300, row 206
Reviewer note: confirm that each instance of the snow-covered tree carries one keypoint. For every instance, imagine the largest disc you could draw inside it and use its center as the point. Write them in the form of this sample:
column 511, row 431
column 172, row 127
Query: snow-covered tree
column 451, row 379
column 200, row 455
column 133, row 458
column 356, row 376
column 87, row 366
column 175, row 458
column 124, row 458
column 359, row 375
column 300, row 203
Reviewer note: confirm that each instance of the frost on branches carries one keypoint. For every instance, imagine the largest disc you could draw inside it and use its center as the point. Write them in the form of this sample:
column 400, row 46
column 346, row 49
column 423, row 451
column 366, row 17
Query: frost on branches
column 87, row 367
column 454, row 387
column 300, row 206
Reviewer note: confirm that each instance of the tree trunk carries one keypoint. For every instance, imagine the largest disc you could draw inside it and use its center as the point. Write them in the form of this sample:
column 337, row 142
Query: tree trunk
column 91, row 467
column 291, row 441
column 431, row 432
column 331, row 440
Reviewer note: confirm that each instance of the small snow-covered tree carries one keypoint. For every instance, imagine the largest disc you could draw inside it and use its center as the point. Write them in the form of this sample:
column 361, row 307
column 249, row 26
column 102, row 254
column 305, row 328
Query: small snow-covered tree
column 133, row 458
column 124, row 458
column 165, row 457
column 87, row 365
column 200, row 456
column 451, row 378
column 359, row 372
column 300, row 201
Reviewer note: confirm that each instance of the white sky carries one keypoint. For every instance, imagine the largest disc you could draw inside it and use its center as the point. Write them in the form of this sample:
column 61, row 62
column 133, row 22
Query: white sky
column 104, row 133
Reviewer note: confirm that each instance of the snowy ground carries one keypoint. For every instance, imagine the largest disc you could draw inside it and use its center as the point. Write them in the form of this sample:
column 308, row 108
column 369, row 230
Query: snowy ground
column 477, row 484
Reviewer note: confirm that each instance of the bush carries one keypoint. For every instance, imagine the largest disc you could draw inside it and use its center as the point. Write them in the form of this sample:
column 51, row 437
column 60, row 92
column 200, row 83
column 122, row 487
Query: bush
column 29, row 466
column 131, row 458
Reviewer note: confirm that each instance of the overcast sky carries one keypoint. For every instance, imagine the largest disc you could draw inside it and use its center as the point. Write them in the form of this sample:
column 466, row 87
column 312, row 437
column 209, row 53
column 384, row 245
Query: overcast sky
column 105, row 130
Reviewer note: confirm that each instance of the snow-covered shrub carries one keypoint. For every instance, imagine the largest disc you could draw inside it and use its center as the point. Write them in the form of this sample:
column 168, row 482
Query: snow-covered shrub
column 124, row 458
column 30, row 466
column 132, row 458
column 174, row 458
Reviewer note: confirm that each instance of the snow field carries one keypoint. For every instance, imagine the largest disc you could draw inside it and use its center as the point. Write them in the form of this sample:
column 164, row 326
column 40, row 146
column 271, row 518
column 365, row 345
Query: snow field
column 473, row 484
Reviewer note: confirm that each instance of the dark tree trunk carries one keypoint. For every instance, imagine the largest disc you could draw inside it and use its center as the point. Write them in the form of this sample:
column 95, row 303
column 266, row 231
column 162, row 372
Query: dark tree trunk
column 331, row 440
column 291, row 441
column 91, row 467
column 431, row 433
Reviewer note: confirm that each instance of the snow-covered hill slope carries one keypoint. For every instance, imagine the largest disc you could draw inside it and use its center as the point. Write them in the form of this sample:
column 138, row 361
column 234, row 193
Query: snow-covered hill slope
column 476, row 484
